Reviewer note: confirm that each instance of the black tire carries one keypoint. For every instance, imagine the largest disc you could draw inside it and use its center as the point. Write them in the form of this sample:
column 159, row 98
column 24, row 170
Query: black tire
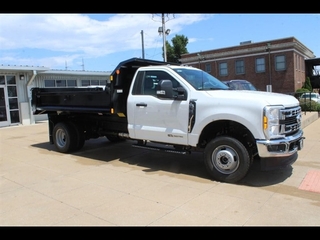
column 79, row 135
column 64, row 137
column 226, row 159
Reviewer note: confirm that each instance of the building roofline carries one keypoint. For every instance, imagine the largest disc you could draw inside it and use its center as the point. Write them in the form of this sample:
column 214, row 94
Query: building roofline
column 240, row 45
column 252, row 46
column 75, row 72
column 46, row 70
column 22, row 68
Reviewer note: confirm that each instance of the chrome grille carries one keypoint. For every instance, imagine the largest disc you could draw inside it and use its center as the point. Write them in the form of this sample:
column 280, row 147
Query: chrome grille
column 290, row 120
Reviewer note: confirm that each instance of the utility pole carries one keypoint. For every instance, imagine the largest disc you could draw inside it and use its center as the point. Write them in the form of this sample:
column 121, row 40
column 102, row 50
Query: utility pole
column 162, row 30
column 142, row 42
column 164, row 39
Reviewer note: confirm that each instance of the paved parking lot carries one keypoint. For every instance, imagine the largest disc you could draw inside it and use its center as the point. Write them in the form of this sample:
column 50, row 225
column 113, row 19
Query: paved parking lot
column 108, row 184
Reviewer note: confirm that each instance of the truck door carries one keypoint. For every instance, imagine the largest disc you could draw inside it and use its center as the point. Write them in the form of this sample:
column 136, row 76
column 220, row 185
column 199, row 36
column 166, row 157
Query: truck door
column 155, row 119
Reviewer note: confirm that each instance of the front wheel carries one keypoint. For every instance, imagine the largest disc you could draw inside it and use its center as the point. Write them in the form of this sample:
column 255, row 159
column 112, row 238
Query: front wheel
column 226, row 159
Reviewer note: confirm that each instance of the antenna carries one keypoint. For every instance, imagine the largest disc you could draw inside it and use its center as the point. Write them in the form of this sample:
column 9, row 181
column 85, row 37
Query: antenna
column 66, row 65
column 82, row 65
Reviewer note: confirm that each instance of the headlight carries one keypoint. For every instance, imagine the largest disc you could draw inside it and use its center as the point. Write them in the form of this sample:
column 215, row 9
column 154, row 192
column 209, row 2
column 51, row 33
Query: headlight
column 271, row 122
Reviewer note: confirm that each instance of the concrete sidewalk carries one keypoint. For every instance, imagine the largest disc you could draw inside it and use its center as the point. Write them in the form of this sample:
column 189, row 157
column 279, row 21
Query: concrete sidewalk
column 108, row 184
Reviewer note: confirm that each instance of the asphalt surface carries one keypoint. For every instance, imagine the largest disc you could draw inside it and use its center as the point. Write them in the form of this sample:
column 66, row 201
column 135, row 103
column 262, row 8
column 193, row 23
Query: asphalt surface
column 107, row 184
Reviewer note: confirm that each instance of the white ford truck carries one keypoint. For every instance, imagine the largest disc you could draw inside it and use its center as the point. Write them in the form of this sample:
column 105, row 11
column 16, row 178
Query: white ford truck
column 178, row 109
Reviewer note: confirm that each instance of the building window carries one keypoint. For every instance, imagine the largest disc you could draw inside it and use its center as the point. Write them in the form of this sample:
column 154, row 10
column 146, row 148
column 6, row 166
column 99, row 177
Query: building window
column 85, row 83
column 208, row 67
column 260, row 65
column 2, row 82
column 223, row 69
column 11, row 80
column 93, row 82
column 280, row 63
column 71, row 83
column 49, row 83
column 60, row 83
column 239, row 67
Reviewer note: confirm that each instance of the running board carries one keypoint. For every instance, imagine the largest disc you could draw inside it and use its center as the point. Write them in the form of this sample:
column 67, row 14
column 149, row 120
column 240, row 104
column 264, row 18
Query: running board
column 161, row 149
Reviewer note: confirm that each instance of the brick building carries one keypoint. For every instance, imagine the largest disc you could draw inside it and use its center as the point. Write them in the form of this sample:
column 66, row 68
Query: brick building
column 276, row 65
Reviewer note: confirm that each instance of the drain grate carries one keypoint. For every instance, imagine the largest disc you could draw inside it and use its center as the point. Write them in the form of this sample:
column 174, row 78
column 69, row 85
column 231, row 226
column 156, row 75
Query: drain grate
column 311, row 182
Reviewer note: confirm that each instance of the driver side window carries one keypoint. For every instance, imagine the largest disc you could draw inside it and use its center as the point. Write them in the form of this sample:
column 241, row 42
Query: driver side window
column 152, row 79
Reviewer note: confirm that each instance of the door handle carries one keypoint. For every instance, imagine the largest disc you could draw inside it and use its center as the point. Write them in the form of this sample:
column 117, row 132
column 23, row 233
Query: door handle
column 141, row 104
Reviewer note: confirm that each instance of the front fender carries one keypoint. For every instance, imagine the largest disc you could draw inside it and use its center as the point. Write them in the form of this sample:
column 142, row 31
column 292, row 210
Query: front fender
column 248, row 117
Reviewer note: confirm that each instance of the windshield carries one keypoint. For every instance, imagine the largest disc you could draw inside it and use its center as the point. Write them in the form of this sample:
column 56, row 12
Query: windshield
column 200, row 80
column 313, row 95
column 242, row 86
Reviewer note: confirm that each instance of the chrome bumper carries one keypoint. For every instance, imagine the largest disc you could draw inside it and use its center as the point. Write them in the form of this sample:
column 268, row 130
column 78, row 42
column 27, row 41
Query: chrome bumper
column 280, row 147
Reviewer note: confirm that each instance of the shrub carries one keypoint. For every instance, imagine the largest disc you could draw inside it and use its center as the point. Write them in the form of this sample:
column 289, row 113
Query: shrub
column 309, row 105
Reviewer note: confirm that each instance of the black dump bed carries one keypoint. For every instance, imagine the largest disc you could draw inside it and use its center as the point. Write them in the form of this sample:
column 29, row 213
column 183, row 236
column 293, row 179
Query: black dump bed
column 70, row 99
column 91, row 99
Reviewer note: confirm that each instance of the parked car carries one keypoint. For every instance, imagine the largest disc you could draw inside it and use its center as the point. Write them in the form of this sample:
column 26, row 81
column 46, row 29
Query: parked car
column 239, row 84
column 310, row 96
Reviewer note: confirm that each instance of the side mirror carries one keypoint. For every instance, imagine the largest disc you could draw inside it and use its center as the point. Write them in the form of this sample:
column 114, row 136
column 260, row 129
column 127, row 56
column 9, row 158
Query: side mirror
column 182, row 94
column 165, row 89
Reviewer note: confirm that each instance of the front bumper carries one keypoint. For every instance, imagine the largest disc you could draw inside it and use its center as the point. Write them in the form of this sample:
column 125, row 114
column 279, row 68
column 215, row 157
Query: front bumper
column 285, row 147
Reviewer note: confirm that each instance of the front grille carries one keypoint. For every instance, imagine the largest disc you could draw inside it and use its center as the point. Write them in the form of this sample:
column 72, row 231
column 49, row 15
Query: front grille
column 290, row 120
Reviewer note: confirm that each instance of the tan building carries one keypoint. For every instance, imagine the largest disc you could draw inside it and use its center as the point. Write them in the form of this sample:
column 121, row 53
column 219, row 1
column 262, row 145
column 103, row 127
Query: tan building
column 275, row 65
column 17, row 81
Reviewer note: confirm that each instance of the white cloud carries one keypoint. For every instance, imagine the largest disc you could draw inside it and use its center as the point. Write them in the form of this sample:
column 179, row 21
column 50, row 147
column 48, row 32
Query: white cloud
column 53, row 39
column 72, row 35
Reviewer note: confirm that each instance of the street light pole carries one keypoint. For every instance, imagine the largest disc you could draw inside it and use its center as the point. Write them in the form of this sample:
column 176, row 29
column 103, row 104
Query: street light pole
column 269, row 89
column 200, row 58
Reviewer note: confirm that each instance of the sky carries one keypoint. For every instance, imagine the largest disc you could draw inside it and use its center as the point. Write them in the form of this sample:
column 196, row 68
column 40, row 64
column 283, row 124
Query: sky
column 99, row 42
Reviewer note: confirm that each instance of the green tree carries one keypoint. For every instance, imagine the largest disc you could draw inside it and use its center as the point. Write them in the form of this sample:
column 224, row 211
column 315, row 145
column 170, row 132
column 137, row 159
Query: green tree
column 178, row 47
column 307, row 84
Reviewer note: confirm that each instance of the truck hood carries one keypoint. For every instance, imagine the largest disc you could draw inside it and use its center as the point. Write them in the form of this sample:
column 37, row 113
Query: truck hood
column 265, row 98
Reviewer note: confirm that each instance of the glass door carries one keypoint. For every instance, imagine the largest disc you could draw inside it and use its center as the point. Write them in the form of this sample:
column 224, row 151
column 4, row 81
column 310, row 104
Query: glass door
column 4, row 121
column 13, row 99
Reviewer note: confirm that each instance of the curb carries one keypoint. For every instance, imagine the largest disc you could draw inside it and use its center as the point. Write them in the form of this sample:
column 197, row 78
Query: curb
column 308, row 118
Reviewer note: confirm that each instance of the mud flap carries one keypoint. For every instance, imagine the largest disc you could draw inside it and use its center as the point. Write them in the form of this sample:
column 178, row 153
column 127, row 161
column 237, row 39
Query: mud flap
column 268, row 164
